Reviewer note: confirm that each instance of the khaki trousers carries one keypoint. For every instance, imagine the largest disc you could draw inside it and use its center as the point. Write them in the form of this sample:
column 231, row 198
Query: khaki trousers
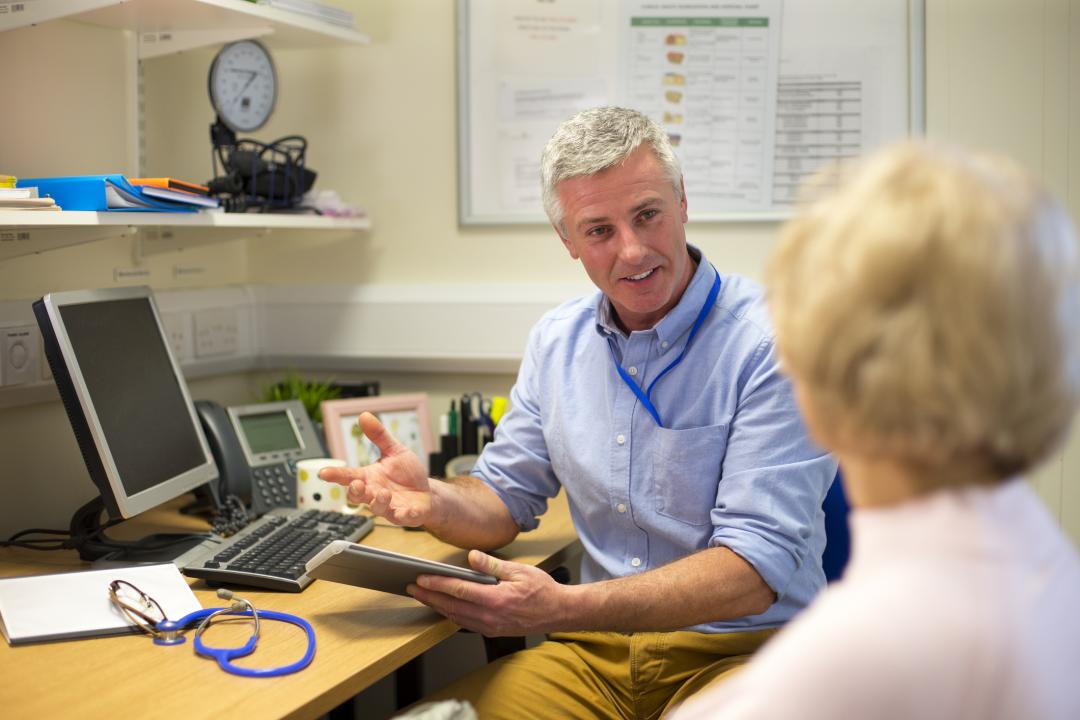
column 603, row 674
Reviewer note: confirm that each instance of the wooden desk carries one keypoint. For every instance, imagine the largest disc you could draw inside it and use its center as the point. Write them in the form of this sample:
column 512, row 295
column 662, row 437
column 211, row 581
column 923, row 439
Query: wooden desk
column 362, row 636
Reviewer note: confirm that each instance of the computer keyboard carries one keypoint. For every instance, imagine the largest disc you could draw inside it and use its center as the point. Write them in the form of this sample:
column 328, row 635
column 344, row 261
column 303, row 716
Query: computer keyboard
column 271, row 551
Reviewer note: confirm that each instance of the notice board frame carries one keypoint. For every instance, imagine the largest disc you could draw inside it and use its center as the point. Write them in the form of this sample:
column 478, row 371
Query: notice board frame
column 891, row 30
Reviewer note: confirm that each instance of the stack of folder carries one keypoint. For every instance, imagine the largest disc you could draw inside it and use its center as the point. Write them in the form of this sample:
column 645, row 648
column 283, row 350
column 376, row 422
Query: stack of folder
column 115, row 192
column 22, row 198
column 181, row 191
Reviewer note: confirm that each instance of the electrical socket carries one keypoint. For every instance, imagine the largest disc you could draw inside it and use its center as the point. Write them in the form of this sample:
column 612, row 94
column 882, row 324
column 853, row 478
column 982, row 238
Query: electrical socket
column 179, row 331
column 217, row 332
column 20, row 353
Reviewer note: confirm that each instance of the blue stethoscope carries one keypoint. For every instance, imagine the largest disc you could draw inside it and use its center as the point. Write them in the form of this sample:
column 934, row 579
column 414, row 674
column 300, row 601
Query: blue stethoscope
column 643, row 395
column 171, row 632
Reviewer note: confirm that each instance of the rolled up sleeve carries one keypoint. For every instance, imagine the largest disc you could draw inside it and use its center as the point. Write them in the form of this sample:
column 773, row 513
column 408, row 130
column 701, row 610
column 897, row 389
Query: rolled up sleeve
column 516, row 464
column 773, row 480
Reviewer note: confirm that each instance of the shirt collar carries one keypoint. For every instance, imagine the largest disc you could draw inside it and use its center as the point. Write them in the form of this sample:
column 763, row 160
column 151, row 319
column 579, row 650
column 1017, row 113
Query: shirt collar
column 681, row 317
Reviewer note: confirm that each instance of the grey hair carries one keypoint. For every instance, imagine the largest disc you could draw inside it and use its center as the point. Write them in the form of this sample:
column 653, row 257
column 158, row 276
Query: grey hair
column 595, row 140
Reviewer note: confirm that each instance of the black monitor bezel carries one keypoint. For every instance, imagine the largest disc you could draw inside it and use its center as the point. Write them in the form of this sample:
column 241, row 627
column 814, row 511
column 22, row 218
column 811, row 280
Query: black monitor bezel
column 83, row 417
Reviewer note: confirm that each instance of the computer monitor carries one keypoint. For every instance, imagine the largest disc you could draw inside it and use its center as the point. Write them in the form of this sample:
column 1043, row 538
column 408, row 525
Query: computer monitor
column 125, row 397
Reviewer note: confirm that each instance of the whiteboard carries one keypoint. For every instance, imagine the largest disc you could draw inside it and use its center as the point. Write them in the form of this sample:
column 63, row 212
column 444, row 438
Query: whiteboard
column 755, row 94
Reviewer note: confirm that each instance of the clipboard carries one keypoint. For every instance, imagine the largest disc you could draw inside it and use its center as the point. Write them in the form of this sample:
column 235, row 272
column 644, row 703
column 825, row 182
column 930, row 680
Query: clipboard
column 66, row 606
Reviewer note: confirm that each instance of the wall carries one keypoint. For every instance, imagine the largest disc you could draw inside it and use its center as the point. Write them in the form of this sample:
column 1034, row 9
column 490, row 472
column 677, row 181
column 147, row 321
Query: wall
column 1005, row 75
column 381, row 120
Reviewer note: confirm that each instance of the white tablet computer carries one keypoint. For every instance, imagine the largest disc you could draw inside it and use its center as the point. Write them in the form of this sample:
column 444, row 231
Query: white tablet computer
column 376, row 569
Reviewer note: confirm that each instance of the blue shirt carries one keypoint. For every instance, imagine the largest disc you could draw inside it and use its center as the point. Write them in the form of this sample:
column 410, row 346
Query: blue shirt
column 732, row 466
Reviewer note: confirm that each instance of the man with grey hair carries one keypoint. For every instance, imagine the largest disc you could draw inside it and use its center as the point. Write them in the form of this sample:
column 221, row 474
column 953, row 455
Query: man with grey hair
column 657, row 405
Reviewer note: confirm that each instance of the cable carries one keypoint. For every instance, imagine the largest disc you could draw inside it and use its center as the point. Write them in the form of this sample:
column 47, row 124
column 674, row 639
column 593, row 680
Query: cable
column 97, row 541
column 36, row 543
column 256, row 175
column 231, row 517
column 86, row 534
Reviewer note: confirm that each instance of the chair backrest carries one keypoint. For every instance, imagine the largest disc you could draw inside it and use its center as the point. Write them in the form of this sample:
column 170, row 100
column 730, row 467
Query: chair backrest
column 837, row 536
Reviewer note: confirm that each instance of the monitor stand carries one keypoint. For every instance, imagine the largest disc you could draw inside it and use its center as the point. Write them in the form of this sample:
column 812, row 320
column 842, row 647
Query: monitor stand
column 88, row 537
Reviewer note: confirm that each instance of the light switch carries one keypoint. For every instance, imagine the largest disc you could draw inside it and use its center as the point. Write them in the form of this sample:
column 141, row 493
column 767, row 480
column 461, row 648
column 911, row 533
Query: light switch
column 21, row 355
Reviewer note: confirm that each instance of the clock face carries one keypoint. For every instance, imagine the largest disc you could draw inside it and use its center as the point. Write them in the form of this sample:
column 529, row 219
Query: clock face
column 243, row 85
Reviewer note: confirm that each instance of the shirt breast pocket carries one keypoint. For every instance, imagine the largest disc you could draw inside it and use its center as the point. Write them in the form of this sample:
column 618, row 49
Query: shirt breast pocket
column 686, row 472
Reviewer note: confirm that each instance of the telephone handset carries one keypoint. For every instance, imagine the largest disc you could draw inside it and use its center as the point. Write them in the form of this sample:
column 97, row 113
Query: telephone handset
column 256, row 448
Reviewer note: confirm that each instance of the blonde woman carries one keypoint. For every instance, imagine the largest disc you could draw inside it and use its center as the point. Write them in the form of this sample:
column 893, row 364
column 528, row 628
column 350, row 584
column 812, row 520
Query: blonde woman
column 927, row 312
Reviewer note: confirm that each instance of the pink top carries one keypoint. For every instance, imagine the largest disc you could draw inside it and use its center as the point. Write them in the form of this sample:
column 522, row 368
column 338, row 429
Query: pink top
column 963, row 604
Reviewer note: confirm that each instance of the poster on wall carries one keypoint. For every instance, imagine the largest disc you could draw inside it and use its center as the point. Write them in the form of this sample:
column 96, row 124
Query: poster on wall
column 754, row 95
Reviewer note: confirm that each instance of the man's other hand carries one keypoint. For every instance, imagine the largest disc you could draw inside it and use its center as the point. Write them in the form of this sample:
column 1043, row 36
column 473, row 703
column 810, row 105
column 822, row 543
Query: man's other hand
column 526, row 601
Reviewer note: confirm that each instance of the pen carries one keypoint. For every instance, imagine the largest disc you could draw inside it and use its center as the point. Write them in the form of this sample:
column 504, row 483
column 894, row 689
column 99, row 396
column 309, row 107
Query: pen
column 448, row 439
column 498, row 408
column 468, row 427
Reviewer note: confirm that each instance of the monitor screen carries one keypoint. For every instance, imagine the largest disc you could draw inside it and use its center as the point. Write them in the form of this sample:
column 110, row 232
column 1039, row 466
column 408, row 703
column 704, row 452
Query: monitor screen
column 269, row 432
column 125, row 397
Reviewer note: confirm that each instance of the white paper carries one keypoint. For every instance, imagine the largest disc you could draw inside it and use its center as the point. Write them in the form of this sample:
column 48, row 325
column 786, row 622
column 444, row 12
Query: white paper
column 824, row 114
column 77, row 604
column 706, row 72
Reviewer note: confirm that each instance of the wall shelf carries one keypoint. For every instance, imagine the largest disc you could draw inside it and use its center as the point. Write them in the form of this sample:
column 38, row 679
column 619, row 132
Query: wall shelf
column 168, row 26
column 24, row 233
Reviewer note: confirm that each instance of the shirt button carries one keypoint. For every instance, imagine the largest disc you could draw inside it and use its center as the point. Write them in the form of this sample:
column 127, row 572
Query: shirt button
column 664, row 344
column 621, row 508
column 632, row 370
column 621, row 439
column 636, row 562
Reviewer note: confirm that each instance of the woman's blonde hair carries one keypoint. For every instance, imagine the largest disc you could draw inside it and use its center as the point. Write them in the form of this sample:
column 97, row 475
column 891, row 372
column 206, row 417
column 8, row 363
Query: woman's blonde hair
column 927, row 307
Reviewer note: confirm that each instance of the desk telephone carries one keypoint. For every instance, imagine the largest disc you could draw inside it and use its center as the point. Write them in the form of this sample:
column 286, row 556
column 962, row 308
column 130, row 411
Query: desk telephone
column 256, row 448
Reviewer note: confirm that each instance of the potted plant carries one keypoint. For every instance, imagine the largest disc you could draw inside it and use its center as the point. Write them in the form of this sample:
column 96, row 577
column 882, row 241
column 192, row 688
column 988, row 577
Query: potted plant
column 311, row 394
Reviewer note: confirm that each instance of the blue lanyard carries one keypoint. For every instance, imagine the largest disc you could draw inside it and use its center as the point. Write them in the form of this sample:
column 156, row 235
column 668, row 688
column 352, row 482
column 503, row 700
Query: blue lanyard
column 643, row 396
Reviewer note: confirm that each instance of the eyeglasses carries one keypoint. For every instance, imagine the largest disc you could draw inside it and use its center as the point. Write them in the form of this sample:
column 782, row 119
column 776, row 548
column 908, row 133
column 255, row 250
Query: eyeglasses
column 146, row 613
column 138, row 607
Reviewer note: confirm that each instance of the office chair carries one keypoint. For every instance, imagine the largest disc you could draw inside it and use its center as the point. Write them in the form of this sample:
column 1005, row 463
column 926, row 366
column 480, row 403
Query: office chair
column 837, row 536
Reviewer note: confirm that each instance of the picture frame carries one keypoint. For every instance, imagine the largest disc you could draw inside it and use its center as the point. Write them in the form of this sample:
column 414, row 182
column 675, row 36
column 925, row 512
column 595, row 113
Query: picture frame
column 405, row 416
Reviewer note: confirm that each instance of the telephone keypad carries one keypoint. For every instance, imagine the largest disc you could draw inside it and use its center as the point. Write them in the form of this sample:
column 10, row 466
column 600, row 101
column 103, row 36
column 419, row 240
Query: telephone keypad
column 276, row 484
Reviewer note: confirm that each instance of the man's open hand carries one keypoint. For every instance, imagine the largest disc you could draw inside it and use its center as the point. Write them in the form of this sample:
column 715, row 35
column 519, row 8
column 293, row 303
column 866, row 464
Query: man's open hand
column 396, row 486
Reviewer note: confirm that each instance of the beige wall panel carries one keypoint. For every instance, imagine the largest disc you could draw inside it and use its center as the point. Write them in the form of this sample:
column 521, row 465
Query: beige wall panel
column 989, row 90
column 1070, row 491
column 95, row 265
column 178, row 115
column 1005, row 75
column 1073, row 169
column 65, row 101
column 1056, row 96
column 1070, row 486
